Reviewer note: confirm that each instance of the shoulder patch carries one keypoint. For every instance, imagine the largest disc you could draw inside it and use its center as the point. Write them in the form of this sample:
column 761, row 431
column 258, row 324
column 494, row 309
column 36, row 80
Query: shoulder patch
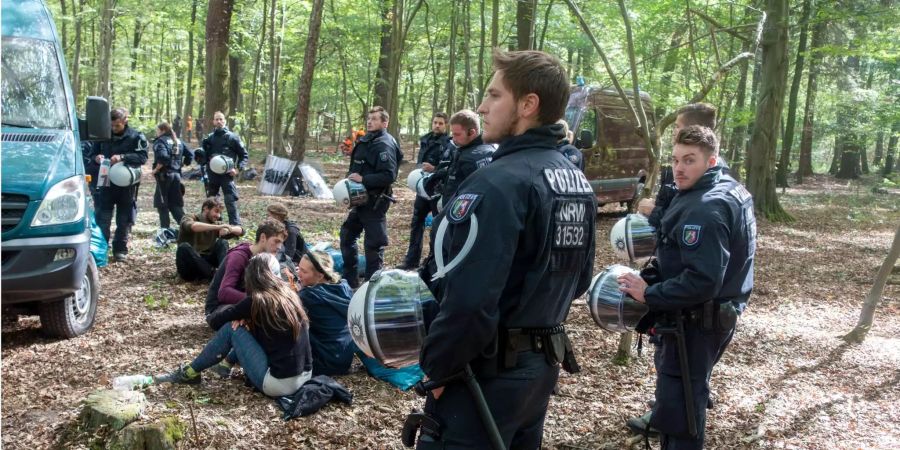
column 483, row 162
column 461, row 207
column 690, row 235
column 384, row 156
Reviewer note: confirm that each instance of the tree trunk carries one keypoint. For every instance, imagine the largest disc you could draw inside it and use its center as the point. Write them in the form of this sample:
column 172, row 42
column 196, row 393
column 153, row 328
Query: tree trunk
column 64, row 36
column 879, row 148
column 739, row 134
column 784, row 162
column 891, row 158
column 525, row 24
column 482, row 36
column 382, row 83
column 764, row 140
column 107, row 35
column 301, row 122
column 435, row 85
column 271, row 130
column 218, row 25
column 135, row 46
column 279, row 87
column 495, row 24
column 254, row 92
column 451, row 68
column 849, row 139
column 665, row 83
column 467, row 60
column 189, row 90
column 76, row 65
column 806, row 139
column 867, row 315
column 623, row 353
column 540, row 45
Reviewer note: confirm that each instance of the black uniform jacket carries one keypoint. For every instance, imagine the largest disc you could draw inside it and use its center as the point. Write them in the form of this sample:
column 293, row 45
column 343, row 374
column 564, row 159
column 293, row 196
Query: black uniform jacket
column 223, row 141
column 572, row 153
column 707, row 245
column 172, row 157
column 131, row 144
column 464, row 162
column 531, row 216
column 375, row 158
column 431, row 147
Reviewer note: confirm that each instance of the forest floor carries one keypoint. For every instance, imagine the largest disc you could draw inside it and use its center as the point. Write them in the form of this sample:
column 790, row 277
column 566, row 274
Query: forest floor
column 786, row 381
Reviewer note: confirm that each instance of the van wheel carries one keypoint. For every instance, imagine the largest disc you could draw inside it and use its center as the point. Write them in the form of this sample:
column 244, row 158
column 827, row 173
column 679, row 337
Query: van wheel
column 74, row 315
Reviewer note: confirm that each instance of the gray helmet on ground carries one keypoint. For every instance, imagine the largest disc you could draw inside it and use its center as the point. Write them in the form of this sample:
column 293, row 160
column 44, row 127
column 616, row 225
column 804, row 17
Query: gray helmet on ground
column 124, row 175
column 387, row 318
column 633, row 239
column 611, row 308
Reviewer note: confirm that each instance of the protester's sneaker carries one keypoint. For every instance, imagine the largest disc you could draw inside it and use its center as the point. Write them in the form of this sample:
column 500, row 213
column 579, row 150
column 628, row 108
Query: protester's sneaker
column 639, row 425
column 120, row 256
column 221, row 370
column 179, row 376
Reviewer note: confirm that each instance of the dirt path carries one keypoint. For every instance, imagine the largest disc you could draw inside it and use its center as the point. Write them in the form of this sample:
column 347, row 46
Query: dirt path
column 787, row 381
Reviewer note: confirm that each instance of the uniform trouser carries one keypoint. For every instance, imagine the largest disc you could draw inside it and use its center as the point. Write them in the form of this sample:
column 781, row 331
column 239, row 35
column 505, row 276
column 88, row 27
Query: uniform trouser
column 168, row 198
column 229, row 192
column 192, row 265
column 122, row 200
column 421, row 209
column 517, row 398
column 704, row 350
column 374, row 223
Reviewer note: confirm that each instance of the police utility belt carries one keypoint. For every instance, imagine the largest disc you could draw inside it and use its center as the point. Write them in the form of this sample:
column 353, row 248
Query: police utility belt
column 714, row 316
column 551, row 341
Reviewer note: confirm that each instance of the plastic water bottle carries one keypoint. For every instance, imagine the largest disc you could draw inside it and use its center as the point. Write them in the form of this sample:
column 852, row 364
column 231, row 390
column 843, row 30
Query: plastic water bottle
column 103, row 174
column 131, row 382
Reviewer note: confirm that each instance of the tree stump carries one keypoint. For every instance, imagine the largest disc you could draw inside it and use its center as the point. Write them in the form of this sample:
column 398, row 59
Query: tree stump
column 112, row 409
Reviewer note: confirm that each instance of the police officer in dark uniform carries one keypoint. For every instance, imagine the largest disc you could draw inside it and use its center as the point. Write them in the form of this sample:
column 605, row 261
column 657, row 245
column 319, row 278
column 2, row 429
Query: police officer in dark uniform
column 566, row 148
column 169, row 155
column 130, row 146
column 469, row 154
column 374, row 164
column 513, row 248
column 431, row 147
column 705, row 266
column 223, row 141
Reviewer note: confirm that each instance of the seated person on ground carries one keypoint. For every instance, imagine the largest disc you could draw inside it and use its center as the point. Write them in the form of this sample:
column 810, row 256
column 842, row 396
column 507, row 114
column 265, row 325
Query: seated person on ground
column 201, row 241
column 268, row 331
column 326, row 297
column 227, row 288
column 294, row 245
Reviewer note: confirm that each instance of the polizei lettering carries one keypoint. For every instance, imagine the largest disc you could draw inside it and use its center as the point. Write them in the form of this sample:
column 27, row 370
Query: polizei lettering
column 567, row 181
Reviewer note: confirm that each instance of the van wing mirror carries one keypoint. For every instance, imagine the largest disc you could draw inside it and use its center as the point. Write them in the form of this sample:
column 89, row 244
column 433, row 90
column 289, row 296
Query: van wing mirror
column 96, row 125
column 586, row 139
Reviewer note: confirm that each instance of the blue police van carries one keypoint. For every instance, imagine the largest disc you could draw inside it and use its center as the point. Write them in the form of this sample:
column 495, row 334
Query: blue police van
column 47, row 266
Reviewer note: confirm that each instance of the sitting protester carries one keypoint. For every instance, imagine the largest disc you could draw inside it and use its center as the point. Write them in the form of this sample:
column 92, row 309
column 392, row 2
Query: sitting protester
column 268, row 331
column 227, row 288
column 201, row 241
column 326, row 297
column 294, row 245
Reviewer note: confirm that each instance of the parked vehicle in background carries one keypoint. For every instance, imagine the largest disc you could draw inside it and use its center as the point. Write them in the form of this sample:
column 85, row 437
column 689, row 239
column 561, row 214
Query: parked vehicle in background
column 617, row 160
column 47, row 266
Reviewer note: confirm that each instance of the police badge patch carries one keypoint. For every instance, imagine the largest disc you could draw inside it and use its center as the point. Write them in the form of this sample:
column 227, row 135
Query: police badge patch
column 384, row 157
column 462, row 206
column 690, row 235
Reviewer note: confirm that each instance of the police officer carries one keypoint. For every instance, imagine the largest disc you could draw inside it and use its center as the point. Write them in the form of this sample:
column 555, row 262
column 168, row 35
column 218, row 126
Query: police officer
column 705, row 261
column 566, row 148
column 513, row 248
column 223, row 142
column 129, row 146
column 431, row 147
column 169, row 154
column 470, row 153
column 374, row 164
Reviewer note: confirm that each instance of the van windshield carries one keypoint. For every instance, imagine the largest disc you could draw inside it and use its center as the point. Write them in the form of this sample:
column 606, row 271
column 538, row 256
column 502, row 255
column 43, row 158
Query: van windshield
column 32, row 88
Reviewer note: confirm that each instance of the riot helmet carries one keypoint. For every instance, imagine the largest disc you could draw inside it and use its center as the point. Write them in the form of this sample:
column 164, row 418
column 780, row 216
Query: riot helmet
column 611, row 308
column 221, row 164
column 413, row 178
column 123, row 175
column 387, row 317
column 633, row 239
column 350, row 193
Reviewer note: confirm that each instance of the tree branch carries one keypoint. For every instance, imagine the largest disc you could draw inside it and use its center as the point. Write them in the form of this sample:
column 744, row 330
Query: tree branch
column 642, row 115
column 719, row 26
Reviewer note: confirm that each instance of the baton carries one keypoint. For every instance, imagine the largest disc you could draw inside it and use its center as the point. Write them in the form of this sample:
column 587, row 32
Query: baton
column 484, row 413
column 678, row 331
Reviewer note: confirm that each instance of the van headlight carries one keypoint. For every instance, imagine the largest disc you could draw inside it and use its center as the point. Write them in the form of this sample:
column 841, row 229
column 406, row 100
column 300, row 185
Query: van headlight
column 64, row 203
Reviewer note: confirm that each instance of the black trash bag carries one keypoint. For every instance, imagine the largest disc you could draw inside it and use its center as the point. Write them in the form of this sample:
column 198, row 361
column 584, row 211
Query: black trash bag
column 295, row 185
column 312, row 396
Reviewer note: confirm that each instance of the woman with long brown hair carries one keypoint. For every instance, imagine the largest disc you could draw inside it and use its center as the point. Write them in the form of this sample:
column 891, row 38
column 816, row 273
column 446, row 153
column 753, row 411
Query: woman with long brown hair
column 269, row 332
column 326, row 298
